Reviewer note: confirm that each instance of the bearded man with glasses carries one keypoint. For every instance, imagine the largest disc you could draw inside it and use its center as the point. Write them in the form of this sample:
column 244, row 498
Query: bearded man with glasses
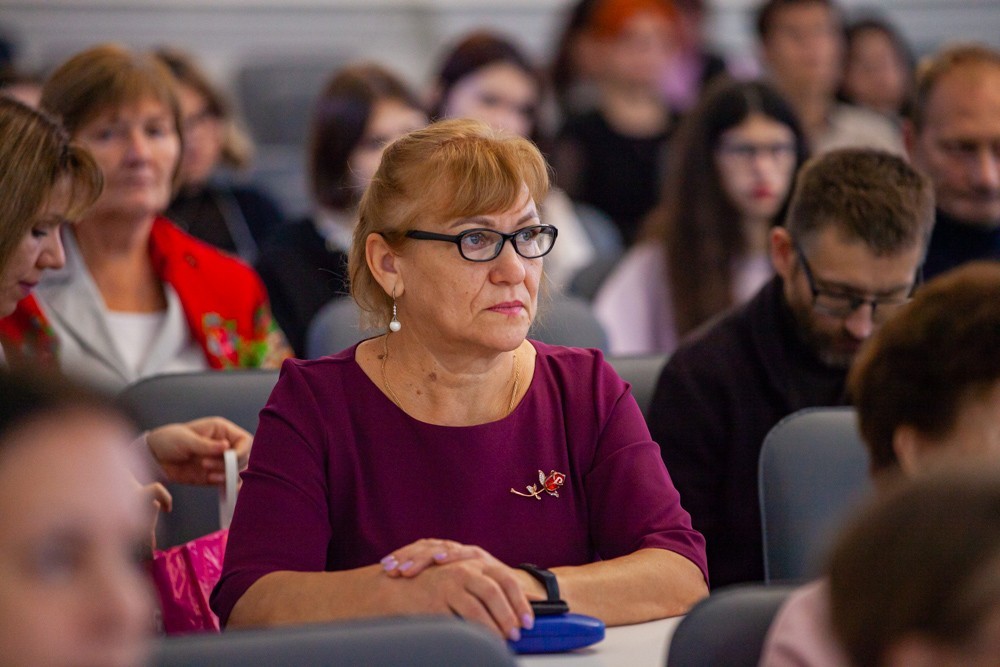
column 848, row 256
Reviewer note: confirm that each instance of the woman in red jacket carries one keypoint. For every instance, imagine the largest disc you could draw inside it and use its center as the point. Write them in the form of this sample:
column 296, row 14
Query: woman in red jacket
column 137, row 296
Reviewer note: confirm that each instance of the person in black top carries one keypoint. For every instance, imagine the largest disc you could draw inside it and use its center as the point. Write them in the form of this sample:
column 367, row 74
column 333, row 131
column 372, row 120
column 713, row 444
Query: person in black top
column 233, row 216
column 856, row 232
column 304, row 264
column 954, row 137
column 613, row 157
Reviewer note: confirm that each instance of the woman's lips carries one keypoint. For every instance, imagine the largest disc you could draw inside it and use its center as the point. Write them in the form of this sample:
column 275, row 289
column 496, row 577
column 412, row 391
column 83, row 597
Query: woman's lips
column 507, row 308
column 26, row 287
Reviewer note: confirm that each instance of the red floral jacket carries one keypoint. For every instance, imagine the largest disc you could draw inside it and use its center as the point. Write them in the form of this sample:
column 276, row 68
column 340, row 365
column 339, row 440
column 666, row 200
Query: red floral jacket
column 224, row 302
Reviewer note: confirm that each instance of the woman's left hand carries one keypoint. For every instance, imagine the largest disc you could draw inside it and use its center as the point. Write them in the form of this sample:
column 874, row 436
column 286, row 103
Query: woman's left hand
column 414, row 558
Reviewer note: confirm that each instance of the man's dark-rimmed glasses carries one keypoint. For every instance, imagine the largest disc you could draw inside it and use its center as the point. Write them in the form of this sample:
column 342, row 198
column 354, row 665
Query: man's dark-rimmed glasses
column 841, row 305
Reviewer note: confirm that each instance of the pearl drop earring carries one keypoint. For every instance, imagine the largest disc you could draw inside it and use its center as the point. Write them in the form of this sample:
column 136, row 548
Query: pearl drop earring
column 394, row 324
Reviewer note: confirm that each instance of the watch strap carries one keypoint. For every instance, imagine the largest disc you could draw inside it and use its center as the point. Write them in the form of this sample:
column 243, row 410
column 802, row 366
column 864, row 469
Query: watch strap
column 553, row 604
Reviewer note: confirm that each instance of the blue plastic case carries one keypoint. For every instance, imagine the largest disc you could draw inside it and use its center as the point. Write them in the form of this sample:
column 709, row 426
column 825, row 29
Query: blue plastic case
column 558, row 633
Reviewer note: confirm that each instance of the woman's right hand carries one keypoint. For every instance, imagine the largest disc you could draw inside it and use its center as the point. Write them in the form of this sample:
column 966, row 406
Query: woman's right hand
column 464, row 580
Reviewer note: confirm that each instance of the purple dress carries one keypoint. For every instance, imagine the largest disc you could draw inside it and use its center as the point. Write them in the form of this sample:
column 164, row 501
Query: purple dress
column 339, row 476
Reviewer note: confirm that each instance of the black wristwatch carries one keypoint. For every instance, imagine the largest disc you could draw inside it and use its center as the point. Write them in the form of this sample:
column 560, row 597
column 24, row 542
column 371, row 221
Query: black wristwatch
column 553, row 604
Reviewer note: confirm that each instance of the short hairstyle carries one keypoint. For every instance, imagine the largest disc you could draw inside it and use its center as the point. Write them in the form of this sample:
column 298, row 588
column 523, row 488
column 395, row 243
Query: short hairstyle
column 769, row 10
column 904, row 54
column 104, row 77
column 931, row 70
column 339, row 119
column 925, row 363
column 922, row 561
column 473, row 53
column 35, row 154
column 608, row 17
column 696, row 222
column 237, row 147
column 868, row 195
column 450, row 169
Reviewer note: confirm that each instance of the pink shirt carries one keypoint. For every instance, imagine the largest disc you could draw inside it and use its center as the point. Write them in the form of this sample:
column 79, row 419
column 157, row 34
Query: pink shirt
column 800, row 635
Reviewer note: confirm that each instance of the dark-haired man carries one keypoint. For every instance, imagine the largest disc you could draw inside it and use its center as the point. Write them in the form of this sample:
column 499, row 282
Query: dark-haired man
column 802, row 47
column 848, row 257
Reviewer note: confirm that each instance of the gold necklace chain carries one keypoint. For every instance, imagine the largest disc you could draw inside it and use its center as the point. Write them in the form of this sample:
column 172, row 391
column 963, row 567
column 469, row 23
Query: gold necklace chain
column 514, row 379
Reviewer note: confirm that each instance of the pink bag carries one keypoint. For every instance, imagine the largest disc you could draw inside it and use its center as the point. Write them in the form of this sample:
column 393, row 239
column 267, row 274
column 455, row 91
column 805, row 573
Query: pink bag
column 185, row 575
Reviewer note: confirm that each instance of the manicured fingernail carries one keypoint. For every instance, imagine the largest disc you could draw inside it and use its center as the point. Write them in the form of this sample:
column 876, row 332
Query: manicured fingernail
column 528, row 621
column 514, row 634
column 406, row 566
column 389, row 563
column 440, row 556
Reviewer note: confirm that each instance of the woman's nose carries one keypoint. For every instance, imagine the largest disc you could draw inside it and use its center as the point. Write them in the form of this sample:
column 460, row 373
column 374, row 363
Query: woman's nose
column 508, row 267
column 53, row 256
column 138, row 144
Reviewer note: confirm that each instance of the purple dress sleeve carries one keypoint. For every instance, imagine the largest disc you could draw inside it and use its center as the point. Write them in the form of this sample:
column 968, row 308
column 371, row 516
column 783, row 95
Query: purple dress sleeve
column 339, row 476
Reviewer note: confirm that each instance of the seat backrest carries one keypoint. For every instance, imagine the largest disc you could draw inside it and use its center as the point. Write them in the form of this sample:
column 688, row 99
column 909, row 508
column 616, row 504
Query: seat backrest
column 335, row 327
column 604, row 235
column 813, row 472
column 564, row 320
column 587, row 282
column 277, row 96
column 373, row 643
column 179, row 397
column 727, row 628
column 642, row 372
column 568, row 320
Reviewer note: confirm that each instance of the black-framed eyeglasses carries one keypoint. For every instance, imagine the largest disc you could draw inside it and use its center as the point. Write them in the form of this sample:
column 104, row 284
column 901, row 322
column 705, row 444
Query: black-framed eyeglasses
column 748, row 152
column 840, row 305
column 483, row 245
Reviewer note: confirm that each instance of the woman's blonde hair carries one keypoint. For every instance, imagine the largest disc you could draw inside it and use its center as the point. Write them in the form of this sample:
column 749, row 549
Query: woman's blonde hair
column 451, row 169
column 35, row 154
column 106, row 77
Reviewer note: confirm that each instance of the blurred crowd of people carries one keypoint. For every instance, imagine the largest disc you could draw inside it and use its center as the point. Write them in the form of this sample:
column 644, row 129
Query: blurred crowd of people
column 770, row 237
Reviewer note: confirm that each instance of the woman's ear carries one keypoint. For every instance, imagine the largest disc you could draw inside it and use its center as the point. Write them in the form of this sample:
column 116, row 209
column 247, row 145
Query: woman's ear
column 384, row 264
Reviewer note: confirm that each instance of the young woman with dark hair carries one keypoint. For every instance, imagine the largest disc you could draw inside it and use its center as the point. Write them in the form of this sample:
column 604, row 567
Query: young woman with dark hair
column 705, row 245
column 488, row 78
column 363, row 108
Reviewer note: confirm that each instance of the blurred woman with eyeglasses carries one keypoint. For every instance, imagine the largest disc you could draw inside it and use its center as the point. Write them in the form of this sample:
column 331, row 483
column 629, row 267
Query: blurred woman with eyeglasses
column 210, row 204
column 705, row 246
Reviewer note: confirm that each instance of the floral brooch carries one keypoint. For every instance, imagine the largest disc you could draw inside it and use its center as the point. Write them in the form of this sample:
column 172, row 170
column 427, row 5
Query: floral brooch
column 548, row 484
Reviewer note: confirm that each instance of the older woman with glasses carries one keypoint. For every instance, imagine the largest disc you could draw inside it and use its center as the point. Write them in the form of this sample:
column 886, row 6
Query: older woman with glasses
column 413, row 472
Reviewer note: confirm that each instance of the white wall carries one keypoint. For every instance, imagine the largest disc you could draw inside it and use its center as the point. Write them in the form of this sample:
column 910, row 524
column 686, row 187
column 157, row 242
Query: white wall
column 407, row 35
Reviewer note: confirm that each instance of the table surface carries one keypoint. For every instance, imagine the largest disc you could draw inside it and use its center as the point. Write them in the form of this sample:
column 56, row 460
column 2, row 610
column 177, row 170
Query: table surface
column 641, row 645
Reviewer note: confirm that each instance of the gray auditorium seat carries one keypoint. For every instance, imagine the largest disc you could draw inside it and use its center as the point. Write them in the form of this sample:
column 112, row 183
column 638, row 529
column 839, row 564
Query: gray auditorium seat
column 179, row 397
column 562, row 320
column 727, row 628
column 642, row 372
column 421, row 641
column 813, row 471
